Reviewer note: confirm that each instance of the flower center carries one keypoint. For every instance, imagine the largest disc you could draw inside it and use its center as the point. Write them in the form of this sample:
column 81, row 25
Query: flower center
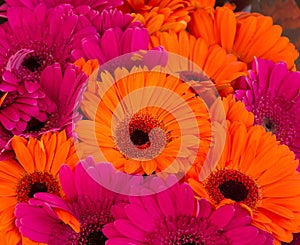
column 234, row 190
column 140, row 126
column 272, row 112
column 186, row 230
column 29, row 60
column 32, row 63
column 141, row 137
column 35, row 127
column 269, row 125
column 96, row 238
column 234, row 185
column 92, row 219
column 36, row 182
column 37, row 187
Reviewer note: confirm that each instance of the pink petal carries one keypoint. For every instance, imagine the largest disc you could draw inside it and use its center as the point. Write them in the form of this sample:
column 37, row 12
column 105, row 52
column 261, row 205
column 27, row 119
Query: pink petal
column 245, row 234
column 166, row 203
column 222, row 216
column 140, row 217
column 126, row 228
column 185, row 201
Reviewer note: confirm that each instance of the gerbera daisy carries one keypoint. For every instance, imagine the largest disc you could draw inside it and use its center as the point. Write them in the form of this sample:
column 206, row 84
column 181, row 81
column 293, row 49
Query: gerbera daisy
column 222, row 68
column 143, row 121
column 95, row 4
column 79, row 219
column 160, row 15
column 257, row 171
column 64, row 89
column 34, row 170
column 245, row 35
column 119, row 35
column 175, row 216
column 271, row 92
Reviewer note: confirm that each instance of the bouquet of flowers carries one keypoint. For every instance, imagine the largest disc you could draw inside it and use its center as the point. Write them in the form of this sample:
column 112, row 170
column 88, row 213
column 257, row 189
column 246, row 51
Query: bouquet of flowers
column 146, row 122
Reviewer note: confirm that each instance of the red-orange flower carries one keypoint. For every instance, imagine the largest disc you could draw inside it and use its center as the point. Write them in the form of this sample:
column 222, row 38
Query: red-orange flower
column 244, row 34
column 255, row 170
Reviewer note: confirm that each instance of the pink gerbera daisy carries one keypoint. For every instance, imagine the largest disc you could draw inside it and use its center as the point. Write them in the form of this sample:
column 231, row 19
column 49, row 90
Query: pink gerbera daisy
column 79, row 218
column 174, row 216
column 118, row 35
column 271, row 92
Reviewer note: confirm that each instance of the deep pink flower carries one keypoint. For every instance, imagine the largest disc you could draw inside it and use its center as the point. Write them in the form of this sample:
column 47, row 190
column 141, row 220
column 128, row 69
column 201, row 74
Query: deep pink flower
column 118, row 35
column 271, row 92
column 174, row 216
column 63, row 88
column 30, row 41
column 86, row 201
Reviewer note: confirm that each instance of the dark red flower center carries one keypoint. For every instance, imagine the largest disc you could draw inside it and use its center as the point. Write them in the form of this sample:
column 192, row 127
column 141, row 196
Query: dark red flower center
column 186, row 230
column 96, row 238
column 36, row 182
column 35, row 127
column 32, row 63
column 269, row 125
column 142, row 136
column 234, row 185
column 140, row 126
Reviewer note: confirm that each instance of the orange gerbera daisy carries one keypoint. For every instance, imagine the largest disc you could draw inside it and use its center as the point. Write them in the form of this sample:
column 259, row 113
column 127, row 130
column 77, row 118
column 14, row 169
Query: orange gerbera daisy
column 255, row 170
column 144, row 122
column 244, row 34
column 35, row 169
column 160, row 15
column 222, row 68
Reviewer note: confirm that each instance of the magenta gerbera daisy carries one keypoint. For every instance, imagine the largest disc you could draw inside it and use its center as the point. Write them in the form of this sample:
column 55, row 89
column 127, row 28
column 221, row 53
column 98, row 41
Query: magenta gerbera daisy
column 79, row 218
column 271, row 92
column 63, row 87
column 175, row 217
column 118, row 35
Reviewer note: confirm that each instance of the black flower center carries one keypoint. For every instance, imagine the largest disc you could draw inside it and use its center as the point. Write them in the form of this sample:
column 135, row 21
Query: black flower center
column 232, row 184
column 37, row 187
column 234, row 190
column 269, row 125
column 36, row 182
column 96, row 238
column 35, row 125
column 139, row 137
column 32, row 63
